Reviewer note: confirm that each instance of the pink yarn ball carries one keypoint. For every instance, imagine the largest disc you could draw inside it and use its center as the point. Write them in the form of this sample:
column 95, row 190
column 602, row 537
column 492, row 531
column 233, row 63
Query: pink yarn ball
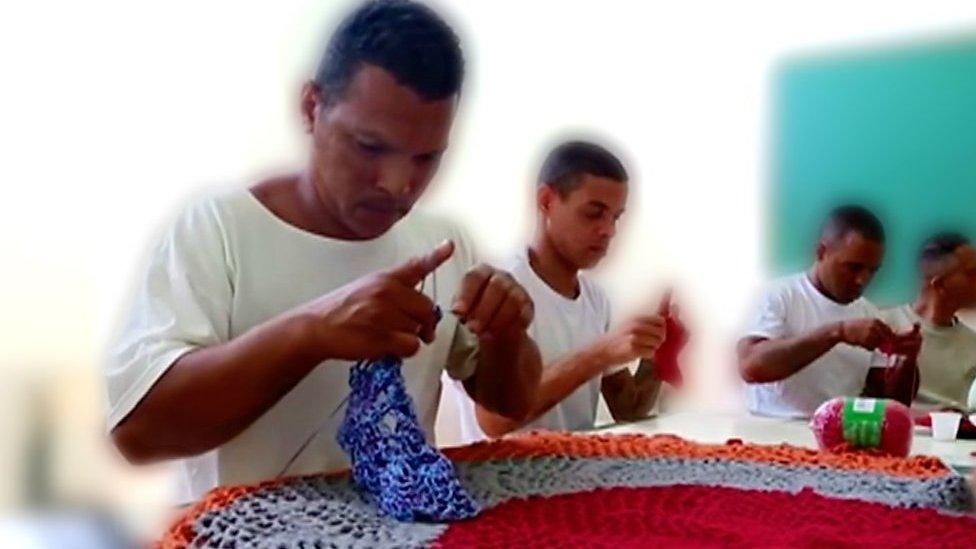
column 896, row 430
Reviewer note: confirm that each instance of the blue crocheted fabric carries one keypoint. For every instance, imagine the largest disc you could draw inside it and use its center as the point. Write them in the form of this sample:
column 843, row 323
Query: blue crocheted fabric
column 392, row 463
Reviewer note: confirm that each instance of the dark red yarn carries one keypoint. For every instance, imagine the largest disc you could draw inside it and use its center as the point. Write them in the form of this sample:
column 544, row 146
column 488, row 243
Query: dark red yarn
column 666, row 357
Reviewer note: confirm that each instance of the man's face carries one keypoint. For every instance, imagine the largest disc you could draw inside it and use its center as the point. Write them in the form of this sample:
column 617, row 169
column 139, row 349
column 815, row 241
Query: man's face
column 959, row 283
column 582, row 224
column 375, row 149
column 846, row 266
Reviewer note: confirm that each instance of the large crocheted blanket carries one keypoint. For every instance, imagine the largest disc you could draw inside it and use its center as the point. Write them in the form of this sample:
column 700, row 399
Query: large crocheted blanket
column 563, row 490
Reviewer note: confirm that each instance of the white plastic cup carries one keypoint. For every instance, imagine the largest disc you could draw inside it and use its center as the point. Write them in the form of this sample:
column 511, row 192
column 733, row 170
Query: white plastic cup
column 945, row 425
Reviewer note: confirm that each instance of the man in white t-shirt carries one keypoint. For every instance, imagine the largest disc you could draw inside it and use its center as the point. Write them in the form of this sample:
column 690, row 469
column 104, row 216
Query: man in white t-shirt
column 813, row 335
column 234, row 357
column 947, row 359
column 581, row 193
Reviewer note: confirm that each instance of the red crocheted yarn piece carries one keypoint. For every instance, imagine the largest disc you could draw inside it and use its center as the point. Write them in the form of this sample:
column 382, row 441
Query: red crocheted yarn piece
column 696, row 516
column 666, row 356
column 544, row 444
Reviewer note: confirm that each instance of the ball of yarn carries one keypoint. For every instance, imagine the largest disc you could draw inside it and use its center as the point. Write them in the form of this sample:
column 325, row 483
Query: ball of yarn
column 848, row 422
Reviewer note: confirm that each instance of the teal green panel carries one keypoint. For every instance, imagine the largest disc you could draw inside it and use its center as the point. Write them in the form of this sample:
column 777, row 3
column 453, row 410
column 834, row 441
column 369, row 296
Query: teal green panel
column 893, row 129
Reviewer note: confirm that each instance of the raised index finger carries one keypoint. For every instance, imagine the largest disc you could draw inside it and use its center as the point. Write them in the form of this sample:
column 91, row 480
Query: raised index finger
column 412, row 271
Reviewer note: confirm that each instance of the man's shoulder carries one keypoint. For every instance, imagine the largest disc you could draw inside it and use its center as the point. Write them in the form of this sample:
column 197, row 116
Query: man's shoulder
column 788, row 281
column 517, row 264
column 968, row 328
column 216, row 205
column 867, row 308
column 786, row 288
column 897, row 315
column 200, row 217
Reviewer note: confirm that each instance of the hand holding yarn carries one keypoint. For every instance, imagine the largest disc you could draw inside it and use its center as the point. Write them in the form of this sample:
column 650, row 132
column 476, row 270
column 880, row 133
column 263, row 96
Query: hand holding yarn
column 867, row 333
column 382, row 314
column 491, row 304
column 639, row 337
column 906, row 343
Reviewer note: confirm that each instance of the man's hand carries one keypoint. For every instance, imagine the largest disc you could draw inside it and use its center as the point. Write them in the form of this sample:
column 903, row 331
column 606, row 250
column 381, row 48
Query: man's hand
column 868, row 333
column 491, row 304
column 639, row 337
column 907, row 343
column 377, row 315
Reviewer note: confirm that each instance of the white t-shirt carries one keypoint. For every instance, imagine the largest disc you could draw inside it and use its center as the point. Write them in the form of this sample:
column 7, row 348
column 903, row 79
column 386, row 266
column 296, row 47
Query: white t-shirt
column 792, row 306
column 947, row 359
column 229, row 264
column 560, row 326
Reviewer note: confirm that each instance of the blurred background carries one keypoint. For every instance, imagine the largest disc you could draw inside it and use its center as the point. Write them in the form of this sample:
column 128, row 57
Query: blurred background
column 741, row 122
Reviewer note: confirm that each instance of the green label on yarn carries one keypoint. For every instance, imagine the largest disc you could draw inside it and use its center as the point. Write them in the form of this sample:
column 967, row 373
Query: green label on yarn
column 863, row 419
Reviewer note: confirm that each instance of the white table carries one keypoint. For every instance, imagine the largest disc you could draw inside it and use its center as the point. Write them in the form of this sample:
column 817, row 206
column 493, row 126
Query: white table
column 717, row 428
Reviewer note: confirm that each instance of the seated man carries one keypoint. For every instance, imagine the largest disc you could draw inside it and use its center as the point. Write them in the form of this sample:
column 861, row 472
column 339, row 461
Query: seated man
column 813, row 335
column 581, row 193
column 235, row 356
column 947, row 360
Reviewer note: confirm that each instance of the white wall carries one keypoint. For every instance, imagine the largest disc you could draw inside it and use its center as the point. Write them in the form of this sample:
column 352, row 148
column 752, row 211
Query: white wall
column 112, row 113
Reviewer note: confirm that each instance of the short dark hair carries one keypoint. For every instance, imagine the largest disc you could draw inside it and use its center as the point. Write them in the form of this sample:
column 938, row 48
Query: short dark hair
column 565, row 165
column 937, row 249
column 852, row 218
column 407, row 39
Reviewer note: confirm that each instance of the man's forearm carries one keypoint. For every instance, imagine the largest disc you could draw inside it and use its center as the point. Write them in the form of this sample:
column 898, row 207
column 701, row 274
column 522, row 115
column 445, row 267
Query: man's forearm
column 507, row 376
column 631, row 397
column 557, row 382
column 775, row 359
column 210, row 395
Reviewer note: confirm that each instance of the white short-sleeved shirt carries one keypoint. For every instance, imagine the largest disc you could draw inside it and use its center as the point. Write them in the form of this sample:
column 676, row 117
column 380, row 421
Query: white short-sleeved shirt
column 229, row 264
column 947, row 360
column 792, row 306
column 561, row 326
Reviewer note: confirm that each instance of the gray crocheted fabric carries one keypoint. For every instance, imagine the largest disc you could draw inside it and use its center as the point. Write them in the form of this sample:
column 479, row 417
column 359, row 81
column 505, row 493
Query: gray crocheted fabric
column 322, row 512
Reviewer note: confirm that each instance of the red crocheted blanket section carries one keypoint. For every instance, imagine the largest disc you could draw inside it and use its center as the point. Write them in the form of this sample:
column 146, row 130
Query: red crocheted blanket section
column 699, row 516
